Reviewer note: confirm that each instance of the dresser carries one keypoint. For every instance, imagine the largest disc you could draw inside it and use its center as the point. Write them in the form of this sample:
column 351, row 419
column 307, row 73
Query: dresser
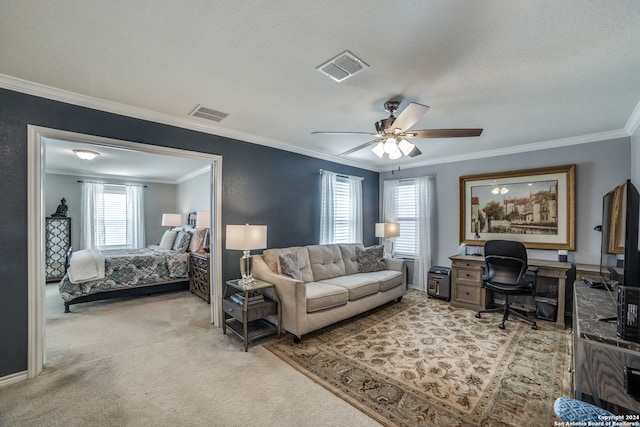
column 57, row 242
column 600, row 358
column 199, row 275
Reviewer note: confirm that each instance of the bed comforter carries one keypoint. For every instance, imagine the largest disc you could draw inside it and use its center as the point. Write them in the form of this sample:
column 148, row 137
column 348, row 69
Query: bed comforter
column 130, row 268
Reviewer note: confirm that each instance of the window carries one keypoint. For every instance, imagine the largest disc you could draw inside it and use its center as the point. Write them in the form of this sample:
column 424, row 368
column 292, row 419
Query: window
column 115, row 217
column 341, row 216
column 112, row 216
column 406, row 215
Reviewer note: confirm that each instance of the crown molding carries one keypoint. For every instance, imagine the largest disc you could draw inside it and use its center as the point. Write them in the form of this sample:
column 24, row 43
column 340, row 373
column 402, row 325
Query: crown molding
column 634, row 120
column 61, row 95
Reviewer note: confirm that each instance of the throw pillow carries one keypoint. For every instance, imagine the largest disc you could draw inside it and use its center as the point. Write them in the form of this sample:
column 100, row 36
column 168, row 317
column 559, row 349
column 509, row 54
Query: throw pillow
column 370, row 259
column 182, row 241
column 289, row 265
column 168, row 238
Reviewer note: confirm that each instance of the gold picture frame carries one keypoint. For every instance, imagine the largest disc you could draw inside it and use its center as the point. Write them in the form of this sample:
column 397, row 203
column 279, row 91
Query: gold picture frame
column 532, row 206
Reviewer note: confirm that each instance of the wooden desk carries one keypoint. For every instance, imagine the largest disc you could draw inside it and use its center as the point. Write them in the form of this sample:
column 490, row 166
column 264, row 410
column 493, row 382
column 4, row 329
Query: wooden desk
column 466, row 282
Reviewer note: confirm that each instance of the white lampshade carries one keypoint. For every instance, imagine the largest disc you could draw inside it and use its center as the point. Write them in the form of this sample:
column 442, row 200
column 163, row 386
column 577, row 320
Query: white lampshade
column 203, row 219
column 390, row 146
column 405, row 146
column 378, row 149
column 387, row 229
column 395, row 155
column 86, row 154
column 171, row 220
column 246, row 237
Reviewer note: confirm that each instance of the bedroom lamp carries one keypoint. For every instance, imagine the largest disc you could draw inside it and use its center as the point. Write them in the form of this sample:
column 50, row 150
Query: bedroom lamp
column 388, row 230
column 245, row 238
column 171, row 220
column 203, row 220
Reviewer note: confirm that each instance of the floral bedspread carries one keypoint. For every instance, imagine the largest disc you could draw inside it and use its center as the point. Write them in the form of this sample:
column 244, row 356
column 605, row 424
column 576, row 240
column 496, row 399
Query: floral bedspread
column 130, row 268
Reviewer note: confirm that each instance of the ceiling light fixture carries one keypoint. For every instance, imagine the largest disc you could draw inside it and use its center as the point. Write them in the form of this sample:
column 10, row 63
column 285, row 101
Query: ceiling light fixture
column 395, row 147
column 86, row 154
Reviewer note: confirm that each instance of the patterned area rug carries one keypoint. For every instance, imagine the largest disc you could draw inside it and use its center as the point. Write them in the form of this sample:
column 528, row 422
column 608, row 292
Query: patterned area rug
column 421, row 362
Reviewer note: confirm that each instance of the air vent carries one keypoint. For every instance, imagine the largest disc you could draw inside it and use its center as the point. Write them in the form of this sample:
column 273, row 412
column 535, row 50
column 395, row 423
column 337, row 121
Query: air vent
column 208, row 113
column 342, row 66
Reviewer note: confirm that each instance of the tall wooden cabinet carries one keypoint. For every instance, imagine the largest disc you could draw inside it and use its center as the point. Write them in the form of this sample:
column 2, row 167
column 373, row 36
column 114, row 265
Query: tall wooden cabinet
column 57, row 242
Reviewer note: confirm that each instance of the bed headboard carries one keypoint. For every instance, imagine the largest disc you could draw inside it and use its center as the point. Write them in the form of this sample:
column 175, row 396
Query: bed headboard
column 191, row 218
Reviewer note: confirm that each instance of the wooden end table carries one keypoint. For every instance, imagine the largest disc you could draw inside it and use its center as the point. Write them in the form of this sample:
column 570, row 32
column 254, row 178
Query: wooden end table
column 247, row 319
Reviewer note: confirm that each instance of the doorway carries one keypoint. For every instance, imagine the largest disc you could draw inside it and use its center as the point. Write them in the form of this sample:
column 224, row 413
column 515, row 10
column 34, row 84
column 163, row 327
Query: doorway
column 37, row 139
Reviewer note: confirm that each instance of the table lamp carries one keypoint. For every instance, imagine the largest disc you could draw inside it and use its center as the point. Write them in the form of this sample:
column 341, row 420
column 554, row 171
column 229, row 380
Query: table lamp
column 245, row 238
column 388, row 230
column 203, row 220
column 171, row 220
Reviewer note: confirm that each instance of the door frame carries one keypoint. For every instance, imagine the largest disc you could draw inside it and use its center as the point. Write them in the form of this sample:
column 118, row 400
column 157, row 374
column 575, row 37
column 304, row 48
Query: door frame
column 36, row 351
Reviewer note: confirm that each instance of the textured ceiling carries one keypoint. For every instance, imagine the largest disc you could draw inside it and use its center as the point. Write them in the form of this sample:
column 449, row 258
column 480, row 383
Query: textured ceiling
column 529, row 72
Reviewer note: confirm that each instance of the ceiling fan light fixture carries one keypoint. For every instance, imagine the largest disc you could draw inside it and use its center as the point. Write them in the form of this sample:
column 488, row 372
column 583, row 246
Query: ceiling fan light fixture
column 378, row 150
column 86, row 154
column 395, row 155
column 405, row 146
column 390, row 146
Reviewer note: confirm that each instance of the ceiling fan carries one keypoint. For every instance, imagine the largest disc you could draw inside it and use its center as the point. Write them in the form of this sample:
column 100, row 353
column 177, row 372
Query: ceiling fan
column 393, row 133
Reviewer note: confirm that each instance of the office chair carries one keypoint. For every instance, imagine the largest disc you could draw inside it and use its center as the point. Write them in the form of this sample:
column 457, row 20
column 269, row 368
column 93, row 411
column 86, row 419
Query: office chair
column 504, row 272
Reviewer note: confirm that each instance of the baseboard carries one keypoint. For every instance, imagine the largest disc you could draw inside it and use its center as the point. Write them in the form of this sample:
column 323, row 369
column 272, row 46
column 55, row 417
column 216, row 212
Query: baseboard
column 13, row 378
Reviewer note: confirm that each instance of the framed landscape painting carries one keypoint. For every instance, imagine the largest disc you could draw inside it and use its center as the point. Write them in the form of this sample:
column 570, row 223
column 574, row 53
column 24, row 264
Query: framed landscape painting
column 533, row 206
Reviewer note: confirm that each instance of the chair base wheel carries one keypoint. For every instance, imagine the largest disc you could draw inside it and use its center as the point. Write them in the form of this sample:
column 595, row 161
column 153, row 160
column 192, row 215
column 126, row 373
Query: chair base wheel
column 534, row 326
column 477, row 315
column 501, row 326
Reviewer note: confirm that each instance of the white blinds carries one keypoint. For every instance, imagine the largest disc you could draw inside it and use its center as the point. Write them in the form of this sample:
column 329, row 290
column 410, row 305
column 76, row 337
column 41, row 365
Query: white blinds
column 341, row 216
column 406, row 215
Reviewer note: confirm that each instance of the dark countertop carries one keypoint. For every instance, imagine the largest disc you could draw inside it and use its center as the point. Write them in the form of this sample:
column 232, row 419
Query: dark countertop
column 591, row 305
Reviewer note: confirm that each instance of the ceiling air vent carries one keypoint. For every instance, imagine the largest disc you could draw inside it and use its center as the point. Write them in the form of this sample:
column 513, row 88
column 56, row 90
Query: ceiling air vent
column 342, row 66
column 208, row 113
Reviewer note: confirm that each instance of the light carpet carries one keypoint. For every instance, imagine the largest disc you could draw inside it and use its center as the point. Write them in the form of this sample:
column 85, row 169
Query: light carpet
column 421, row 362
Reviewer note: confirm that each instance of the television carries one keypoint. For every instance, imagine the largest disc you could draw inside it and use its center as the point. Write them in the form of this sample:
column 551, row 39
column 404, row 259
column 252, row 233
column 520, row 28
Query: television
column 619, row 242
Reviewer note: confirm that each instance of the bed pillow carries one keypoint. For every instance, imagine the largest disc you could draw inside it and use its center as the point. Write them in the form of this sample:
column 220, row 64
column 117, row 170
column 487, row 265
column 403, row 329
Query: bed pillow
column 370, row 259
column 168, row 238
column 197, row 239
column 289, row 265
column 182, row 241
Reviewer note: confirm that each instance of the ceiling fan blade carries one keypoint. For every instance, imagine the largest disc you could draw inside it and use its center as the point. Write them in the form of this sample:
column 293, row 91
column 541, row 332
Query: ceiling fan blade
column 415, row 152
column 359, row 147
column 409, row 116
column 341, row 133
column 444, row 133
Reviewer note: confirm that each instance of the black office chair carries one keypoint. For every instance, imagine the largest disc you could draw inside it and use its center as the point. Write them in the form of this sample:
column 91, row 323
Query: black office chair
column 504, row 273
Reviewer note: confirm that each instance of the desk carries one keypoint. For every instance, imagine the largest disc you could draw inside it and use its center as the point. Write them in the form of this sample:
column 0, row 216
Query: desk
column 599, row 356
column 466, row 282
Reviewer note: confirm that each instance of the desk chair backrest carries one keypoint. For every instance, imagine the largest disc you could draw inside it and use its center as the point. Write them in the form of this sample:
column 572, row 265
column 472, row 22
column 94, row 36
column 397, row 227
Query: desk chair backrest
column 506, row 261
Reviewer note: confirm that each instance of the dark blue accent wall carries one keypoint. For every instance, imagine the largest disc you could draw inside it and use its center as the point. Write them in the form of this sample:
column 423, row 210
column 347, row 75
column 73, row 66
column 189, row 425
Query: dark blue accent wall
column 260, row 185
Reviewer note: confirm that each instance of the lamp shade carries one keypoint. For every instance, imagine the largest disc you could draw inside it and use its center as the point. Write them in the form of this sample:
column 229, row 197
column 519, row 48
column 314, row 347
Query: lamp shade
column 171, row 220
column 203, row 219
column 246, row 237
column 387, row 229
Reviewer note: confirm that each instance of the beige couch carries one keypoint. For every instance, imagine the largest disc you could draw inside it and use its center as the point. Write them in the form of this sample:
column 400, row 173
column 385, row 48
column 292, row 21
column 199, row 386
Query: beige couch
column 331, row 289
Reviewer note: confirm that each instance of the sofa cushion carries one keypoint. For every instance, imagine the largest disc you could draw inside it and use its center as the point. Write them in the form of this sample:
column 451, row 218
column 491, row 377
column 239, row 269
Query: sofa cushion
column 358, row 285
column 349, row 257
column 387, row 279
column 370, row 259
column 289, row 265
column 326, row 261
column 321, row 296
column 270, row 257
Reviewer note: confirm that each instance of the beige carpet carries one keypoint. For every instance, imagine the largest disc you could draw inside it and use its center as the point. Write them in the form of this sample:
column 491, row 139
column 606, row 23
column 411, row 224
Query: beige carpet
column 422, row 362
column 157, row 361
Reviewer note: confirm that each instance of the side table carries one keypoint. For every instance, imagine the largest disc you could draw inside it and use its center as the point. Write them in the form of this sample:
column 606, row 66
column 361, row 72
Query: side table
column 247, row 320
column 199, row 275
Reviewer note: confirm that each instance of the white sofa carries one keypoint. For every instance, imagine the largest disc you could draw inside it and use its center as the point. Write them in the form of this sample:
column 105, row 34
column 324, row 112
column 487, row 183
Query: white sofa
column 331, row 287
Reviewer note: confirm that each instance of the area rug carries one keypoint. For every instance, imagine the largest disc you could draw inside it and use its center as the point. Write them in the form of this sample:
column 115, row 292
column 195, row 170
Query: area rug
column 421, row 362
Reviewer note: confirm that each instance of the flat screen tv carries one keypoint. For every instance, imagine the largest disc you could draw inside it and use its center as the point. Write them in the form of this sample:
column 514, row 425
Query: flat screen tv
column 619, row 244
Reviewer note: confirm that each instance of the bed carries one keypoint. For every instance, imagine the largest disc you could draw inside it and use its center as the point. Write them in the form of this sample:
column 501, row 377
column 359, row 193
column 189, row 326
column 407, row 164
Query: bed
column 128, row 272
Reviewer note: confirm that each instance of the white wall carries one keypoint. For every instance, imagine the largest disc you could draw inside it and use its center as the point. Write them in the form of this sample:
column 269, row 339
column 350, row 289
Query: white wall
column 600, row 166
column 194, row 194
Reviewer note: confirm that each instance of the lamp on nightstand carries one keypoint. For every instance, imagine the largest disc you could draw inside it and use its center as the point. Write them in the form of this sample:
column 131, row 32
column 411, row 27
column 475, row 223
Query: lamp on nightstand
column 203, row 220
column 171, row 220
column 245, row 238
column 388, row 230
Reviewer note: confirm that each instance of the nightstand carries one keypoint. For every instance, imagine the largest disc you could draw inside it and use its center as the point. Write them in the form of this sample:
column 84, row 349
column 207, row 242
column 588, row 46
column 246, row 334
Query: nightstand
column 199, row 275
column 245, row 309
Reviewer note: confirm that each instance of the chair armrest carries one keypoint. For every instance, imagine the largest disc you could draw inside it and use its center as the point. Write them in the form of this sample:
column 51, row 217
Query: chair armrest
column 394, row 264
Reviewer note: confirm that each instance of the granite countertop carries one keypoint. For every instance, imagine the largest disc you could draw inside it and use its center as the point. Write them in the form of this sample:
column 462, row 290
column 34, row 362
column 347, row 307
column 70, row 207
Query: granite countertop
column 592, row 305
